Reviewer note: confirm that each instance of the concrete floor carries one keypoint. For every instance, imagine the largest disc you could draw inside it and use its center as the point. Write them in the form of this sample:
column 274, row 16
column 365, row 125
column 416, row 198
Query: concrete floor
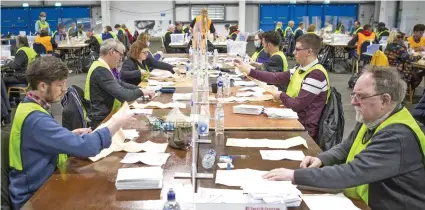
column 339, row 81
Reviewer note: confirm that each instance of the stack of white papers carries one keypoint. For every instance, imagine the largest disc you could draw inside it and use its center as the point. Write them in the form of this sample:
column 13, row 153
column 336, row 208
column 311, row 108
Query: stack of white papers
column 148, row 158
column 182, row 96
column 131, row 134
column 212, row 195
column 160, row 73
column 255, row 89
column 248, row 109
column 328, row 202
column 139, row 178
column 282, row 154
column 275, row 144
column 251, row 181
column 246, row 94
column 245, row 83
column 161, row 84
column 281, row 113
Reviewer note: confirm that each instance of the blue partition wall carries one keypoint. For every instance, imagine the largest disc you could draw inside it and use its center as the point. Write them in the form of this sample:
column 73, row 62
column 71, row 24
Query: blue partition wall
column 313, row 13
column 23, row 19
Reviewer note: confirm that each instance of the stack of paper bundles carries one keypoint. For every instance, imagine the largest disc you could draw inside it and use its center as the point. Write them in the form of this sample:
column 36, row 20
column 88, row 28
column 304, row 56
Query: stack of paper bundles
column 248, row 109
column 142, row 178
column 281, row 113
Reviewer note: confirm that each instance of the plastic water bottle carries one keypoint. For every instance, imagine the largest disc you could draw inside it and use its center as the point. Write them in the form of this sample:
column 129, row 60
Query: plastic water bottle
column 246, row 60
column 215, row 58
column 219, row 119
column 219, row 86
column 171, row 203
column 190, row 51
column 188, row 68
column 209, row 159
column 226, row 86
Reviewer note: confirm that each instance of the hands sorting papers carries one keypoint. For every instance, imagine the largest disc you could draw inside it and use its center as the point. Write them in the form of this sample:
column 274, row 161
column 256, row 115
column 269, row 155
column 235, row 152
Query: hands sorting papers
column 328, row 202
column 282, row 154
column 276, row 144
column 148, row 158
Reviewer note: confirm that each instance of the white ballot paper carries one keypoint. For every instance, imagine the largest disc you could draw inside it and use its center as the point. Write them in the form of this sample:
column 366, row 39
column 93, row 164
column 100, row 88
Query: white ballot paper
column 283, row 113
column 148, row 158
column 156, row 104
column 131, row 134
column 328, row 202
column 244, row 83
column 282, row 154
column 268, row 143
column 139, row 178
column 182, row 96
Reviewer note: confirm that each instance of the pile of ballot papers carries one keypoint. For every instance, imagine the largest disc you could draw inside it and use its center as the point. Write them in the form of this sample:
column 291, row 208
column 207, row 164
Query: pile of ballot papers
column 248, row 109
column 131, row 134
column 252, row 183
column 142, row 178
column 281, row 113
column 148, row 158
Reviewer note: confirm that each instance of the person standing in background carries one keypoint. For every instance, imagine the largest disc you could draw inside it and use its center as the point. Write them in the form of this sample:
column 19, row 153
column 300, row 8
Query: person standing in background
column 108, row 33
column 42, row 23
column 299, row 31
column 72, row 31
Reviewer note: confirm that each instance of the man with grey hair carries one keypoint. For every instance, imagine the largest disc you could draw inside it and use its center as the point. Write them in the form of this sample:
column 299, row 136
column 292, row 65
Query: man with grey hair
column 382, row 161
column 167, row 38
column 102, row 89
column 288, row 30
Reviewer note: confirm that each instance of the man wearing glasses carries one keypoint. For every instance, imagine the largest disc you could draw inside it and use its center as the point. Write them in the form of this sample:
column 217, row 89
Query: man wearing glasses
column 307, row 84
column 102, row 89
column 382, row 161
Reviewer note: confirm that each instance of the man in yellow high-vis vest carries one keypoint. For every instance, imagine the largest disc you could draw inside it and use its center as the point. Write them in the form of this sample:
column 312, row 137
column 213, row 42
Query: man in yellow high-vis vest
column 304, row 88
column 42, row 23
column 382, row 161
column 38, row 145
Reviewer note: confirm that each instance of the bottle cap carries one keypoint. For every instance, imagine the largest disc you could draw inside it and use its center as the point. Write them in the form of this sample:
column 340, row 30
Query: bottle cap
column 171, row 195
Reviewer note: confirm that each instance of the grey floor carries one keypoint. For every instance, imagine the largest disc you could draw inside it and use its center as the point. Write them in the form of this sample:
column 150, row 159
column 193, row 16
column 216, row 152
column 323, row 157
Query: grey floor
column 339, row 81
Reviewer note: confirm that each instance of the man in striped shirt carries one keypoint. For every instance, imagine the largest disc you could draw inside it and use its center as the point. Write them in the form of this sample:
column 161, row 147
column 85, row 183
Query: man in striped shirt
column 308, row 83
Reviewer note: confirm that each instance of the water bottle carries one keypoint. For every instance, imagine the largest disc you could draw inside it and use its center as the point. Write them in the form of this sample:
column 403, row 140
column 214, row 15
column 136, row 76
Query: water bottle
column 190, row 51
column 171, row 203
column 203, row 121
column 209, row 159
column 219, row 119
column 219, row 86
column 215, row 58
column 226, row 86
column 246, row 60
column 187, row 69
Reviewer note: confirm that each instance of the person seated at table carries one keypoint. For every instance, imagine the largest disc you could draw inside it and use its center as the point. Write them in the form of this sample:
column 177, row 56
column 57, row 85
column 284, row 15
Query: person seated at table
column 357, row 28
column 259, row 55
column 232, row 33
column 108, row 33
column 307, row 84
column 299, row 31
column 381, row 162
column 365, row 35
column 179, row 28
column 382, row 31
column 38, row 144
column 73, row 30
column 340, row 28
column 399, row 57
column 136, row 67
column 145, row 37
column 311, row 29
column 23, row 58
column 167, row 39
column 128, row 33
column 104, row 92
column 277, row 60
column 60, row 33
column 46, row 40
column 186, row 29
column 80, row 32
column 122, row 36
column 94, row 41
column 417, row 41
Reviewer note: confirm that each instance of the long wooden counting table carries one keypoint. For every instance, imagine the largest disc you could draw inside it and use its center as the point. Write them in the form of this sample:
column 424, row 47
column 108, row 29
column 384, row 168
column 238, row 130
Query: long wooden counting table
column 91, row 185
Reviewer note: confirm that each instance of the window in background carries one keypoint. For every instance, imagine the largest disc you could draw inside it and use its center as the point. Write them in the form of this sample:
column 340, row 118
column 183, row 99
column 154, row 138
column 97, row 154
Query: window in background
column 215, row 12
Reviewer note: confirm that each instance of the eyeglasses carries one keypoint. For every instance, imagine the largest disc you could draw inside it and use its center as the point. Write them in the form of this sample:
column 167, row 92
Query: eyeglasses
column 359, row 98
column 301, row 49
column 121, row 55
column 145, row 52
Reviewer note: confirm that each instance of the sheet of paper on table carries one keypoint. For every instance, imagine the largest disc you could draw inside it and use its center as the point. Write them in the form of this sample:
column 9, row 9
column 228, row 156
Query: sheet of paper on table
column 247, row 94
column 248, row 109
column 245, row 83
column 282, row 154
column 182, row 96
column 139, row 178
column 148, row 158
column 212, row 195
column 328, row 202
column 268, row 143
column 280, row 113
column 156, row 104
column 161, row 84
column 255, row 89
column 224, row 165
column 131, row 134
column 142, row 111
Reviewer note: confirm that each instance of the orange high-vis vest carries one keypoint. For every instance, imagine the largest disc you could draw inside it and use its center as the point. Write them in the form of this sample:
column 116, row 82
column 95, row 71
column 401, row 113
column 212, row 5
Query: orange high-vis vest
column 199, row 20
column 363, row 38
column 414, row 44
column 45, row 41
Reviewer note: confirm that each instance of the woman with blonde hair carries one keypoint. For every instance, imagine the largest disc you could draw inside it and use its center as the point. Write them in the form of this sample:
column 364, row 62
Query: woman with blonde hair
column 399, row 57
column 140, row 63
column 311, row 29
column 145, row 37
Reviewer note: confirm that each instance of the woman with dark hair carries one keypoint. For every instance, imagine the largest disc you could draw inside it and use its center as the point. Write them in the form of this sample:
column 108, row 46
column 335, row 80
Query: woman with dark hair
column 232, row 33
column 259, row 56
column 108, row 33
column 136, row 67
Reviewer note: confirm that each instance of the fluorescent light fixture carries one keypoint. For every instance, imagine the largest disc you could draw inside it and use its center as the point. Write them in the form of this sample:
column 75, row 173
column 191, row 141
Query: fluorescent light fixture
column 292, row 1
column 25, row 4
column 326, row 1
column 58, row 4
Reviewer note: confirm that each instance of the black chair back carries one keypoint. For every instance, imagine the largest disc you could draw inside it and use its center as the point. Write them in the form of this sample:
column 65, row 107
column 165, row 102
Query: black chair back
column 39, row 48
